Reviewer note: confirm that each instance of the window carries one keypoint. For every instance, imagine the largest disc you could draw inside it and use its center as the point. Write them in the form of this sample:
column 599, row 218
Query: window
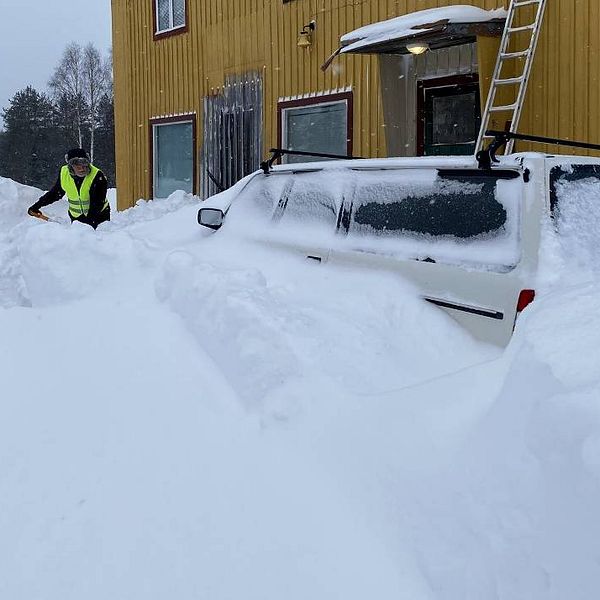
column 170, row 15
column 457, row 207
column 451, row 217
column 449, row 115
column 575, row 205
column 305, row 199
column 173, row 142
column 322, row 125
column 308, row 200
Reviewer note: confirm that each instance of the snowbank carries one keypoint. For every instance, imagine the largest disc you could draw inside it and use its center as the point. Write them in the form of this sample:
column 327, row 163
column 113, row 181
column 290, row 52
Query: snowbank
column 185, row 414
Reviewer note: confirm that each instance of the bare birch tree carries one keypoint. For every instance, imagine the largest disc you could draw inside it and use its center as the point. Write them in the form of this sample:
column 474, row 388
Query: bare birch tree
column 83, row 78
column 68, row 82
column 96, row 75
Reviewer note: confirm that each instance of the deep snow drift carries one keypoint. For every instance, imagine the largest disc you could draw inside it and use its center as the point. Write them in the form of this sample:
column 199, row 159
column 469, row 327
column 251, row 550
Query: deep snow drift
column 188, row 415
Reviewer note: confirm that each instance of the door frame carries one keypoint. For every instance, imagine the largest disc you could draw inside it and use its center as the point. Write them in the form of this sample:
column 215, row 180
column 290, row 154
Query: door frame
column 425, row 85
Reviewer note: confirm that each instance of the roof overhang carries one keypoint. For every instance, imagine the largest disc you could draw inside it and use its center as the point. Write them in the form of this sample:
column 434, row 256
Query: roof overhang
column 438, row 35
column 438, row 27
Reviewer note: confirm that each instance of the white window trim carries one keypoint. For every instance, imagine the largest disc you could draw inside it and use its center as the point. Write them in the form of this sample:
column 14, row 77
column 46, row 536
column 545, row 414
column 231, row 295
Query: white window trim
column 284, row 126
column 155, row 127
column 157, row 29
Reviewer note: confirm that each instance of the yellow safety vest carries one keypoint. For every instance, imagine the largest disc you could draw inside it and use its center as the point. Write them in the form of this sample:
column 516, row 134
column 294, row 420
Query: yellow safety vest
column 79, row 200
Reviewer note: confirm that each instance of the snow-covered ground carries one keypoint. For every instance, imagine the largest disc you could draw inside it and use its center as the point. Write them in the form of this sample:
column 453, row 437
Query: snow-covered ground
column 186, row 415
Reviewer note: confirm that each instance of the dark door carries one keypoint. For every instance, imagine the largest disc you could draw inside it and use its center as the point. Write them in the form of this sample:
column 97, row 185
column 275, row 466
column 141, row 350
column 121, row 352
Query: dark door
column 449, row 115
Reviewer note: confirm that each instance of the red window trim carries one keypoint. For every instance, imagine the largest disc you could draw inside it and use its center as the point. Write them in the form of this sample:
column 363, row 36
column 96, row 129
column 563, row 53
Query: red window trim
column 312, row 100
column 159, row 35
column 185, row 118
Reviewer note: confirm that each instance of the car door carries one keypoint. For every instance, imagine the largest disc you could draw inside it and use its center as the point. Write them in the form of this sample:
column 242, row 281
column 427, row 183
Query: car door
column 454, row 233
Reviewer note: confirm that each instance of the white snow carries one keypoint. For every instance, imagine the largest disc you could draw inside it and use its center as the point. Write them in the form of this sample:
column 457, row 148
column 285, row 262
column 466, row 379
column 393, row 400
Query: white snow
column 415, row 23
column 191, row 415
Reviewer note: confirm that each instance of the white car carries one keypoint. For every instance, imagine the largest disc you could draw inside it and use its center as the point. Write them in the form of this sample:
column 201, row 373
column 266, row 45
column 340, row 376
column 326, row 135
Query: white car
column 468, row 238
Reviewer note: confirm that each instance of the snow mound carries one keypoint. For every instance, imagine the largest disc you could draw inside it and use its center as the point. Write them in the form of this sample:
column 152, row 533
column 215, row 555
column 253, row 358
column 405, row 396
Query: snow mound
column 43, row 264
column 193, row 415
column 268, row 333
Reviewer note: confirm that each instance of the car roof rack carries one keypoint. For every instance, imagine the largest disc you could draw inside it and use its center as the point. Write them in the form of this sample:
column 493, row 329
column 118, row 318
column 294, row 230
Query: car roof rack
column 277, row 153
column 486, row 158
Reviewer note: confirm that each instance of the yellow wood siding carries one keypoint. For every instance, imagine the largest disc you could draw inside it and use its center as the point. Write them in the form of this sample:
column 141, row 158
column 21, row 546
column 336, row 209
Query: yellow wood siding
column 172, row 75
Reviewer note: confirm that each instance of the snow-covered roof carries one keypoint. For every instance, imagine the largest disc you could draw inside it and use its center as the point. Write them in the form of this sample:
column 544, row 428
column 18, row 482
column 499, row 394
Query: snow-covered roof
column 418, row 24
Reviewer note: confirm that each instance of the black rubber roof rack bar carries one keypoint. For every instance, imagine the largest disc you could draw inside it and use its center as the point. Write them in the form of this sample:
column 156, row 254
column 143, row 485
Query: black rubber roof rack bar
column 277, row 153
column 487, row 157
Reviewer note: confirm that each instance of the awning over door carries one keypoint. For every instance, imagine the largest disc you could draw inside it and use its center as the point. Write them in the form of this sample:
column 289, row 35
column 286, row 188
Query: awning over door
column 438, row 27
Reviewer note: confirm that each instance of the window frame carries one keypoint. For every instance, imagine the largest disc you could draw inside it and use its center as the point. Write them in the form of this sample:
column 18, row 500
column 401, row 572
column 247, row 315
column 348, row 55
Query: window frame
column 162, row 121
column 163, row 33
column 318, row 100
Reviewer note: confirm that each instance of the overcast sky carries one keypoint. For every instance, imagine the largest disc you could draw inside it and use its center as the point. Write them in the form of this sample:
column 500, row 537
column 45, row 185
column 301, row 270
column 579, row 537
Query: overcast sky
column 34, row 34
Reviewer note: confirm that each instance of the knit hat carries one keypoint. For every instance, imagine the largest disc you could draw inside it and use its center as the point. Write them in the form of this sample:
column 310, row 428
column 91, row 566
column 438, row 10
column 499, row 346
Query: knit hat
column 76, row 153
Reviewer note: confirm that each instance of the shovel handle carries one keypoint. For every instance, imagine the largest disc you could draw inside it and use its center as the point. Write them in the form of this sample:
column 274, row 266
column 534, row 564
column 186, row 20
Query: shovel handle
column 38, row 215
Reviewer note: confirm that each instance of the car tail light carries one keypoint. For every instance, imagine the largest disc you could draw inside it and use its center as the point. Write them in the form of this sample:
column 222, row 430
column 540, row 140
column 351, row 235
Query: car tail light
column 526, row 297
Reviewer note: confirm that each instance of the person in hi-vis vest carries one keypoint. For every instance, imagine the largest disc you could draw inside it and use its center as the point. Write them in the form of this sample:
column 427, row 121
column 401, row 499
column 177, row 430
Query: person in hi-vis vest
column 85, row 186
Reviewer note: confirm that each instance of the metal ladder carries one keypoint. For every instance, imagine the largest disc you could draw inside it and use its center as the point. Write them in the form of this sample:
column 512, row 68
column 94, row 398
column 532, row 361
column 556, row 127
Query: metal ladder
column 512, row 111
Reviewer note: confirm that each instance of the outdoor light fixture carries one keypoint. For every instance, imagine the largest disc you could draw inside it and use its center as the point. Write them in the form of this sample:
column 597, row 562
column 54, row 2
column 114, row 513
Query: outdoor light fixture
column 417, row 47
column 305, row 37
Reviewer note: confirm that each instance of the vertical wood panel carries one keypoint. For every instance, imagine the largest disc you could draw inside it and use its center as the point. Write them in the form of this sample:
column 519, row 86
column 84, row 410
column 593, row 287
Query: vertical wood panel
column 173, row 74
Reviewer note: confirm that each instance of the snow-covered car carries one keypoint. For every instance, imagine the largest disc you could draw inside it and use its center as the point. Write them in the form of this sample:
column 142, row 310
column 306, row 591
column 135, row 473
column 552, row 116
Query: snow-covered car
column 468, row 238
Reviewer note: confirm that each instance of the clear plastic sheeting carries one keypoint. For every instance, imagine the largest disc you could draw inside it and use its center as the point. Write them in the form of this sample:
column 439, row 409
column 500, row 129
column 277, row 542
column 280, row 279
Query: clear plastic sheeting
column 232, row 146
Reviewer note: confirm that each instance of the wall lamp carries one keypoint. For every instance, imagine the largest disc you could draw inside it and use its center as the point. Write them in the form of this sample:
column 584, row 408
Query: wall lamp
column 305, row 37
column 417, row 47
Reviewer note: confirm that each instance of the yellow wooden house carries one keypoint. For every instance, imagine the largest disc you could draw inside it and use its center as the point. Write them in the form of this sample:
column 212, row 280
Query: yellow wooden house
column 204, row 88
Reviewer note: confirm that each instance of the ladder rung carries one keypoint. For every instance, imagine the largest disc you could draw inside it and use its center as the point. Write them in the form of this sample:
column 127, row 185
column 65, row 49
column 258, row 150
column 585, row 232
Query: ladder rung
column 506, row 108
column 522, row 28
column 509, row 81
column 518, row 24
column 519, row 54
column 526, row 3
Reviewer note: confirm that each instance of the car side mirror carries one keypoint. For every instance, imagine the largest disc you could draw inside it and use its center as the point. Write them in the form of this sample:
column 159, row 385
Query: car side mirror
column 211, row 217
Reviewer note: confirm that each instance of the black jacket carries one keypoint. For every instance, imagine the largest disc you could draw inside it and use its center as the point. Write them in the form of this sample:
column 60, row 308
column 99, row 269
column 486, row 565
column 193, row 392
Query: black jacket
column 97, row 195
